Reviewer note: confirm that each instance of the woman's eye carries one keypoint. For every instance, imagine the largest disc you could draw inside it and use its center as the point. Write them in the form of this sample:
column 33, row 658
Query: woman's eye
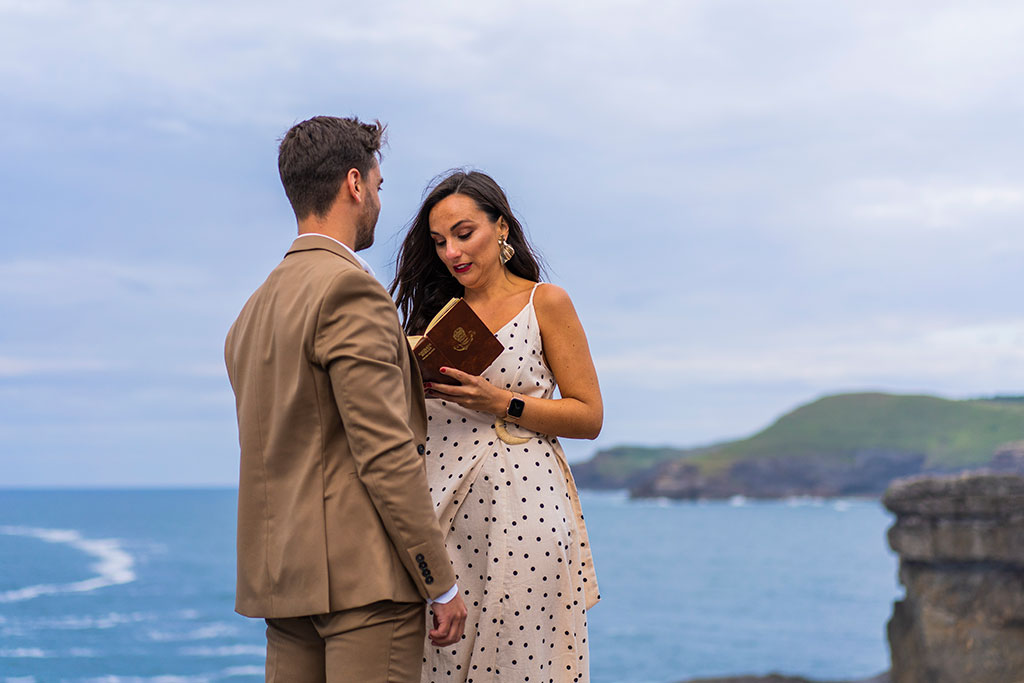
column 465, row 236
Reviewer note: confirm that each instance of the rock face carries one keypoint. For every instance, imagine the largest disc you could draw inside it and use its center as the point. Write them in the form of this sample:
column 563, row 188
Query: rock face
column 866, row 473
column 961, row 545
column 777, row 678
column 624, row 467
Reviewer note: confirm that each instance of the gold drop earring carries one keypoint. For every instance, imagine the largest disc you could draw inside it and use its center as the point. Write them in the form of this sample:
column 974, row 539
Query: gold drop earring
column 505, row 250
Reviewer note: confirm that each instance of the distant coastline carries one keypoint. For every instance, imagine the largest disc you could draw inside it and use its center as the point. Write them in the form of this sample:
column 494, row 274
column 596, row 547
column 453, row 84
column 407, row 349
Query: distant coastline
column 846, row 445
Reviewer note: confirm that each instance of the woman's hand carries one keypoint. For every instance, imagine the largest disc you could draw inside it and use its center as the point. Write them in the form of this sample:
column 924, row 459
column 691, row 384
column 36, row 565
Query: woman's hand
column 474, row 392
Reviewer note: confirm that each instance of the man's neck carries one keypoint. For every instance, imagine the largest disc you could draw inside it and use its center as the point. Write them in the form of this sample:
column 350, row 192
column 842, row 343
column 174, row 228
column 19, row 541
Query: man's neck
column 330, row 228
column 362, row 262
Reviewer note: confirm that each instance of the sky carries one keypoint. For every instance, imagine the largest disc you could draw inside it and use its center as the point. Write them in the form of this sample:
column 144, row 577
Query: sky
column 751, row 204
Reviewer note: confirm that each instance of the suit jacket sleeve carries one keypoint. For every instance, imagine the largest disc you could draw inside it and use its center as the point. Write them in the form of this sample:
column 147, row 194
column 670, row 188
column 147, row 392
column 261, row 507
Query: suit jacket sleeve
column 360, row 342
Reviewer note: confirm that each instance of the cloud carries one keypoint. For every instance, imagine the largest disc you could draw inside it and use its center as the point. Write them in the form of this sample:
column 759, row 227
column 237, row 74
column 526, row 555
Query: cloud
column 64, row 281
column 26, row 367
column 703, row 63
column 984, row 358
column 750, row 203
column 896, row 203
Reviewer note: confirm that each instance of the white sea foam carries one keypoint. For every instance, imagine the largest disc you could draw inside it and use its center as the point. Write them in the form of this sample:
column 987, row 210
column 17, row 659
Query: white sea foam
column 23, row 652
column 20, row 679
column 738, row 501
column 233, row 671
column 203, row 678
column 226, row 651
column 230, row 672
column 215, row 630
column 73, row 622
column 114, row 565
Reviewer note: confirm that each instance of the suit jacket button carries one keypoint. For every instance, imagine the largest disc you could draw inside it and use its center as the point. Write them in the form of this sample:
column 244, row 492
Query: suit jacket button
column 420, row 558
column 429, row 580
column 420, row 449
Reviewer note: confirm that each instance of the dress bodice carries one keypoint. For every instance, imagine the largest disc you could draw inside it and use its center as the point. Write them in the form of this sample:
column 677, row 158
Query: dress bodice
column 521, row 368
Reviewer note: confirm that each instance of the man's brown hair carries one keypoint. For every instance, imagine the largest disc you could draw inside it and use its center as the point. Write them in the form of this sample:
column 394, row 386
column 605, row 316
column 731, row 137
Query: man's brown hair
column 316, row 155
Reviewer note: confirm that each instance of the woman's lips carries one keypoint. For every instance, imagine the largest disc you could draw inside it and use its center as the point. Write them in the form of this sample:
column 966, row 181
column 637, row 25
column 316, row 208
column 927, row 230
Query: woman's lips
column 461, row 268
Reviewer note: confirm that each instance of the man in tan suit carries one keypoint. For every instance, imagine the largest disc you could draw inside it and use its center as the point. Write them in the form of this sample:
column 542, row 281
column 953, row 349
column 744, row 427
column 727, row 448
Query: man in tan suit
column 338, row 543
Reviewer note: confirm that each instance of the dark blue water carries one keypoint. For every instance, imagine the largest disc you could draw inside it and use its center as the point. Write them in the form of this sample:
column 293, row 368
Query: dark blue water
column 125, row 586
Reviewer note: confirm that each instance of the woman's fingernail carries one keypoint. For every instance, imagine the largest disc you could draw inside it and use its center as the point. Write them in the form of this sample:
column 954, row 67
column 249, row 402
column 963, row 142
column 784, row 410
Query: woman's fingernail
column 444, row 370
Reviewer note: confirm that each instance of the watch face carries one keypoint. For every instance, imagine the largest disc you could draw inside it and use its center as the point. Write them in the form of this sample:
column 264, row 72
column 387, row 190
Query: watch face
column 515, row 407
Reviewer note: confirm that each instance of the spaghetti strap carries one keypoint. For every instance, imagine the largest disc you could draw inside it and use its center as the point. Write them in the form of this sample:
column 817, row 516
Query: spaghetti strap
column 534, row 291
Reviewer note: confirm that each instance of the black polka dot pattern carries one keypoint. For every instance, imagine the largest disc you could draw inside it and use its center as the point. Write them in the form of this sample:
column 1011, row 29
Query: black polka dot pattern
column 515, row 534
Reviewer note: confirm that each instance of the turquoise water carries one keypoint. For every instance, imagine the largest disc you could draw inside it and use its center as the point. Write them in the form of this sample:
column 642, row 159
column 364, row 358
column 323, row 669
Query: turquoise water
column 125, row 586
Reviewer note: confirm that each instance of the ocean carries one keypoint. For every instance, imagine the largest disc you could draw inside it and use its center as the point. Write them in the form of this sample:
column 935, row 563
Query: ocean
column 137, row 586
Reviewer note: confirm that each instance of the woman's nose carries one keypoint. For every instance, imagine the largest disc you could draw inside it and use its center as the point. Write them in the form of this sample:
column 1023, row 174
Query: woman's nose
column 451, row 251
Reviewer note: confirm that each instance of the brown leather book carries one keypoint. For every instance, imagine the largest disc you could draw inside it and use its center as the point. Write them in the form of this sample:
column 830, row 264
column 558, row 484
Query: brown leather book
column 455, row 338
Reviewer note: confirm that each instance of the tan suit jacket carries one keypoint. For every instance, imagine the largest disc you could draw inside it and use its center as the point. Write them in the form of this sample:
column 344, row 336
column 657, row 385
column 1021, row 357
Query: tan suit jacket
column 333, row 506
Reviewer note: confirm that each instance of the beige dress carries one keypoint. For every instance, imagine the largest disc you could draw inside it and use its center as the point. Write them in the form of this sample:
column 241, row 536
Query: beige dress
column 515, row 533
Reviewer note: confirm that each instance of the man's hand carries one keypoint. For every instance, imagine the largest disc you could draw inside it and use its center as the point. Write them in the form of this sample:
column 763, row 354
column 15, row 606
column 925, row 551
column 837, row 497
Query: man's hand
column 449, row 622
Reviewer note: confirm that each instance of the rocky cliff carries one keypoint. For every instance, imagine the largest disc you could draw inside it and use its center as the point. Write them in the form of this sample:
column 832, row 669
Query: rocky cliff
column 841, row 445
column 778, row 678
column 961, row 546
column 865, row 473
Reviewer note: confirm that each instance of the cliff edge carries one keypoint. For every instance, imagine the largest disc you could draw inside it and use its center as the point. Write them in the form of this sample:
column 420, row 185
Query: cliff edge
column 961, row 545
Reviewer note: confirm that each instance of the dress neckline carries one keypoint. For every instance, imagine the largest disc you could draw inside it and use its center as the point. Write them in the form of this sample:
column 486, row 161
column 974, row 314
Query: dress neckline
column 521, row 310
column 516, row 316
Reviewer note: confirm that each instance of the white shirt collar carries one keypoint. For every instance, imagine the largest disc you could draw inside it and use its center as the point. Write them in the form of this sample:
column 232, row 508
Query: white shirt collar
column 366, row 266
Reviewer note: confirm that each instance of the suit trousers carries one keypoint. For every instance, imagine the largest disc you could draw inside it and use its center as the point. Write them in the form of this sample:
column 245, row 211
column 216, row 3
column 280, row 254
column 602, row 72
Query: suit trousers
column 378, row 643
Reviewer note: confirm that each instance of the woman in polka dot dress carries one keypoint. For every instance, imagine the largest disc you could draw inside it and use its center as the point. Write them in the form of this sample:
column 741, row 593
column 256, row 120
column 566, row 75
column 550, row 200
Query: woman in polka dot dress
column 498, row 476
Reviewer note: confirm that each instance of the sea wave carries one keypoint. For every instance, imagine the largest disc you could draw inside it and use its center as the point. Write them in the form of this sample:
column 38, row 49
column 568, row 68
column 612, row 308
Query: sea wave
column 215, row 630
column 233, row 671
column 23, row 652
column 73, row 622
column 226, row 651
column 230, row 672
column 202, row 678
column 114, row 565
column 39, row 653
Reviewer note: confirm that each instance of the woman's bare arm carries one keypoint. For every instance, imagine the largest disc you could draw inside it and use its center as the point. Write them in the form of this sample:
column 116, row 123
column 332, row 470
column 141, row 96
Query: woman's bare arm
column 579, row 413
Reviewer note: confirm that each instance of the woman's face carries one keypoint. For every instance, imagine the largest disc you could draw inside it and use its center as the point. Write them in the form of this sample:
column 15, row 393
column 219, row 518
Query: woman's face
column 466, row 240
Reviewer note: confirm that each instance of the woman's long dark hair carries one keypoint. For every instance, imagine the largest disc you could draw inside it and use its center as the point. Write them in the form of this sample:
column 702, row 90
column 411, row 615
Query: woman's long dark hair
column 422, row 282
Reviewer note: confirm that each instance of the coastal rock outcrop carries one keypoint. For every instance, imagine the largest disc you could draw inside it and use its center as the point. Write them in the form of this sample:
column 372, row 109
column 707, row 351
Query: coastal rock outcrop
column 778, row 678
column 961, row 545
column 864, row 473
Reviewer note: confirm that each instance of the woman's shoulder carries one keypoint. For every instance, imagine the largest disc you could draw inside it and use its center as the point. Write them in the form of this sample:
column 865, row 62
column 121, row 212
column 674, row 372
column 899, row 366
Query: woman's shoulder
column 550, row 300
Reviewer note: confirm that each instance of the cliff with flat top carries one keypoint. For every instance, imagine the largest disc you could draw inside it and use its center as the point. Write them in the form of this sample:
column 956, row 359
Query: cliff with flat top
column 961, row 545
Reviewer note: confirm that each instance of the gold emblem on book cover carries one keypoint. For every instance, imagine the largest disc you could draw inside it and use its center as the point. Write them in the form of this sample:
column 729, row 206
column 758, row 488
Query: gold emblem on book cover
column 462, row 339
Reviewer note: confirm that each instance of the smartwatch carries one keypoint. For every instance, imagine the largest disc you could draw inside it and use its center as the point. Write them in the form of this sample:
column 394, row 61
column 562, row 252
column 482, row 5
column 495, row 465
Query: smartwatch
column 515, row 407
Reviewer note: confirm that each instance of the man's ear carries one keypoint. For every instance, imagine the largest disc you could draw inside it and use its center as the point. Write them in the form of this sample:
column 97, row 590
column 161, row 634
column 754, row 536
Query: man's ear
column 354, row 184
